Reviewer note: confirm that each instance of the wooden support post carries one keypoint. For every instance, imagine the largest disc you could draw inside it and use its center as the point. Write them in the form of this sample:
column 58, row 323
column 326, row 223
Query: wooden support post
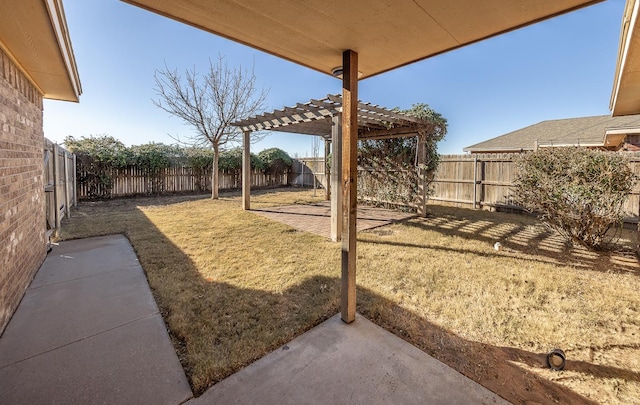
column 336, row 184
column 422, row 176
column 327, row 171
column 349, row 183
column 246, row 171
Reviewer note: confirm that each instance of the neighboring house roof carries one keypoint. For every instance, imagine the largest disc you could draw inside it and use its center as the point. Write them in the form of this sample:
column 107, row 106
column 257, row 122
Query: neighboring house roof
column 598, row 131
column 35, row 36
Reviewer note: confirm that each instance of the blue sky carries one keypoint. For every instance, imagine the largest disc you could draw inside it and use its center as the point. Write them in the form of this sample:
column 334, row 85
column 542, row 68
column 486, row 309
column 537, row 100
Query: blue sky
column 559, row 68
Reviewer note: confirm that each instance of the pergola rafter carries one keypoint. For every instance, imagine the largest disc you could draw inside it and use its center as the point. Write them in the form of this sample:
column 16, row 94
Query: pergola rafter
column 315, row 118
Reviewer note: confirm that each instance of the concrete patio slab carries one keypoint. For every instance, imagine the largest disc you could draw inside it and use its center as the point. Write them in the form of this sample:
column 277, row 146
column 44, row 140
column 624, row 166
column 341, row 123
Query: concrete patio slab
column 336, row 363
column 88, row 330
column 91, row 257
column 128, row 364
column 83, row 305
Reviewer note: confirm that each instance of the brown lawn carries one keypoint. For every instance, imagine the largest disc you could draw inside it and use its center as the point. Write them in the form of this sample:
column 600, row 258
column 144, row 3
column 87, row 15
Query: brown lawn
column 233, row 286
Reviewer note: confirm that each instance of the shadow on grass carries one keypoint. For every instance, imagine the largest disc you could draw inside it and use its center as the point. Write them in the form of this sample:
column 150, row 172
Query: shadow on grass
column 521, row 234
column 218, row 327
column 584, row 367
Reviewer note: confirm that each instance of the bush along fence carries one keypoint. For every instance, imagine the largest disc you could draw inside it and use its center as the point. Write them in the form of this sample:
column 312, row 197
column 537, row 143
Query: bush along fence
column 134, row 180
column 59, row 185
column 486, row 181
column 106, row 168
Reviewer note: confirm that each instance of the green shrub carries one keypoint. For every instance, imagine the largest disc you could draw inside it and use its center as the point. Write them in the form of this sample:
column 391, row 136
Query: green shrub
column 198, row 158
column 231, row 160
column 153, row 157
column 276, row 161
column 101, row 148
column 578, row 192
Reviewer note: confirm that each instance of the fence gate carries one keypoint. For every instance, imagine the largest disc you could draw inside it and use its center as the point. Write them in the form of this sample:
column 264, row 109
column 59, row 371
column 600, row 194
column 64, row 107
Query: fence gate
column 59, row 185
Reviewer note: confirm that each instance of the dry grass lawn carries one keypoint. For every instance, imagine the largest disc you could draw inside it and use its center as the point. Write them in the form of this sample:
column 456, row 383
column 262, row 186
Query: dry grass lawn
column 233, row 286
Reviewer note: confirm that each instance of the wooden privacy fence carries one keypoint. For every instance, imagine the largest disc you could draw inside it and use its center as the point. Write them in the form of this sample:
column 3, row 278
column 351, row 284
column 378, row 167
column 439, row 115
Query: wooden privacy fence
column 308, row 172
column 485, row 181
column 59, row 184
column 134, row 180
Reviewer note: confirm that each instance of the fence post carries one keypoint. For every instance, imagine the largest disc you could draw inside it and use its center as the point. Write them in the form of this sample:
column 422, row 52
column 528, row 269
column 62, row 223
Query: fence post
column 75, row 183
column 67, row 208
column 475, row 182
column 481, row 182
column 422, row 173
column 56, row 192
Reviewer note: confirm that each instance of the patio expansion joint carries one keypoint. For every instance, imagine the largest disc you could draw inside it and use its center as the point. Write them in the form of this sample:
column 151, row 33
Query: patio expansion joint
column 157, row 313
column 135, row 267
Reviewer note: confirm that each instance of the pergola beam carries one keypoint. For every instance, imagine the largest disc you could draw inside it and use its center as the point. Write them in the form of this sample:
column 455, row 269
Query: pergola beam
column 336, row 177
column 246, row 170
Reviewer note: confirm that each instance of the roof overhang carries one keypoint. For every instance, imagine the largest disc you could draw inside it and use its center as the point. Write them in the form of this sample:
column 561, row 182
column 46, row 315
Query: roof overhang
column 35, row 36
column 612, row 139
column 497, row 150
column 615, row 136
column 385, row 34
column 625, row 96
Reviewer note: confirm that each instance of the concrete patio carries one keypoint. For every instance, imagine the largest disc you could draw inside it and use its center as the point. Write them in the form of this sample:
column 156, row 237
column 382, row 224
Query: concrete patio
column 88, row 331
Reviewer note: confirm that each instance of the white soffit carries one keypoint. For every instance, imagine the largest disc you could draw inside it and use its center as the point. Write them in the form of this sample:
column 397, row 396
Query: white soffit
column 34, row 34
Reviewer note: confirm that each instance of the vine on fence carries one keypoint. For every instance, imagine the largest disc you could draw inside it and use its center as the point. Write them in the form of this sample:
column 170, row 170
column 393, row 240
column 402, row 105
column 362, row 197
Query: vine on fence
column 389, row 173
column 100, row 158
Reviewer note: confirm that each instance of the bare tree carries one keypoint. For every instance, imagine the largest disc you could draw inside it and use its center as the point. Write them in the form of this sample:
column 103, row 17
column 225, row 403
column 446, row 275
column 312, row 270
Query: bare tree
column 210, row 103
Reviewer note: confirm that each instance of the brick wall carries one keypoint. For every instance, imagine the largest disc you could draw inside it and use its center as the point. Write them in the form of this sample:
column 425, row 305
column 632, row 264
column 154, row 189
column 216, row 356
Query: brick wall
column 22, row 203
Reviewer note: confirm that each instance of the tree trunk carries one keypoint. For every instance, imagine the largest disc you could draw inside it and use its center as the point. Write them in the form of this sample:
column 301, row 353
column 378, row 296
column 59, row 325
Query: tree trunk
column 214, row 173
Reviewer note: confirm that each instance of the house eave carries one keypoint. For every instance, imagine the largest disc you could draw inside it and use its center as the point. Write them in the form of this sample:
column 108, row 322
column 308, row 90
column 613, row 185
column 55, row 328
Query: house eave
column 34, row 34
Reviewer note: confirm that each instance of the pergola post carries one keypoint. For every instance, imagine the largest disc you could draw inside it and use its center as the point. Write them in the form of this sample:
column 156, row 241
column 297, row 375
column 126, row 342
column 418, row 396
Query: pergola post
column 246, row 171
column 336, row 173
column 349, row 183
column 327, row 171
column 422, row 176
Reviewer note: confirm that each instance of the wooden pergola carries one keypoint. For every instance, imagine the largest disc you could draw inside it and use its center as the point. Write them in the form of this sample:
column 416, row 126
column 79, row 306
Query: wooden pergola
column 333, row 36
column 324, row 118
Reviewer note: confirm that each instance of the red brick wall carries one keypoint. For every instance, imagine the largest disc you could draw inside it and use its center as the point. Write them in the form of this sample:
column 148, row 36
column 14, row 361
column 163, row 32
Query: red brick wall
column 22, row 202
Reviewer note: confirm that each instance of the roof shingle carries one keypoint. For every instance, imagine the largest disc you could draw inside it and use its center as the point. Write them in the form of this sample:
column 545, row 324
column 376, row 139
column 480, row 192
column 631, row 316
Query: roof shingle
column 573, row 131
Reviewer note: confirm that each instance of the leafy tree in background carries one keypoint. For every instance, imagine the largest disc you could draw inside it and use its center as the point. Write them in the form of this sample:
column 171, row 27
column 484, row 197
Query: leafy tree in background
column 210, row 103
column 275, row 160
column 232, row 160
column 578, row 192
column 155, row 156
